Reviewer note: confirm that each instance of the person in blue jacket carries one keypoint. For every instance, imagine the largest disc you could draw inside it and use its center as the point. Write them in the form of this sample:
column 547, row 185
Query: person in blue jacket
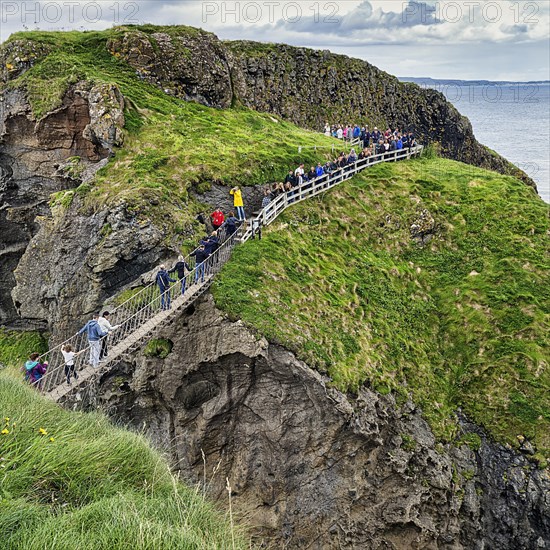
column 180, row 268
column 366, row 138
column 211, row 244
column 163, row 281
column 231, row 223
column 200, row 260
column 95, row 334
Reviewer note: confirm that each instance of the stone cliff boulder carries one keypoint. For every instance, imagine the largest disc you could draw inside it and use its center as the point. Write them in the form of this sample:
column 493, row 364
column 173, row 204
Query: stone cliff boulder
column 78, row 259
column 311, row 467
column 18, row 57
column 190, row 64
column 37, row 158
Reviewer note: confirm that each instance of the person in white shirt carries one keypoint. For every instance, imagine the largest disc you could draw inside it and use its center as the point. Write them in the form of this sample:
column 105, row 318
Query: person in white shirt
column 299, row 171
column 69, row 356
column 105, row 327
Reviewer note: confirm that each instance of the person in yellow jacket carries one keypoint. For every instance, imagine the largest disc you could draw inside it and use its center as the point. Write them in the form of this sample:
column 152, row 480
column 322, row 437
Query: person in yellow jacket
column 238, row 202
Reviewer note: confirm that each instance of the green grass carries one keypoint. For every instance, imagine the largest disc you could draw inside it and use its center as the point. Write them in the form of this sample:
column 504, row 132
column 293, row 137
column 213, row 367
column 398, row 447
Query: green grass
column 459, row 322
column 81, row 483
column 158, row 347
column 171, row 146
column 16, row 346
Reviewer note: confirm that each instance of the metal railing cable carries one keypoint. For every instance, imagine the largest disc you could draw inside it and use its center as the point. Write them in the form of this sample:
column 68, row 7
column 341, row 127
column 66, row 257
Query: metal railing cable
column 133, row 314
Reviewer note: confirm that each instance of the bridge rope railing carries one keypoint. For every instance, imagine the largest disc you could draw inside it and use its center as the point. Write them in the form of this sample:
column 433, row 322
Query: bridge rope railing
column 139, row 309
column 133, row 314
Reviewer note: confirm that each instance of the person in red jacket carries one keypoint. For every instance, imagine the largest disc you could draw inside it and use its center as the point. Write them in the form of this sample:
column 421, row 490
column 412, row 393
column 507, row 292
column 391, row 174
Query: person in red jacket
column 217, row 218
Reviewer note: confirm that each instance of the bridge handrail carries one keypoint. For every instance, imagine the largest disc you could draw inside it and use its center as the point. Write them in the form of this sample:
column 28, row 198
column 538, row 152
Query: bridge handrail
column 320, row 184
column 135, row 298
column 55, row 373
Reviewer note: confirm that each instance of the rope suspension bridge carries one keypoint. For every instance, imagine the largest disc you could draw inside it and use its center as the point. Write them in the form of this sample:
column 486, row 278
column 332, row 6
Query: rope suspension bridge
column 147, row 309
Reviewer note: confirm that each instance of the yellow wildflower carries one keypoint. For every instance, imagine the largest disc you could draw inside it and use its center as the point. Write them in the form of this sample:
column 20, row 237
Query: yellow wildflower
column 52, row 439
column 6, row 419
column 43, row 431
column 5, row 431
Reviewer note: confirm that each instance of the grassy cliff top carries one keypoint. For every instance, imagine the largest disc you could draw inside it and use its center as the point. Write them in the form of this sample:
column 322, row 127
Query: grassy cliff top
column 459, row 322
column 73, row 481
column 171, row 146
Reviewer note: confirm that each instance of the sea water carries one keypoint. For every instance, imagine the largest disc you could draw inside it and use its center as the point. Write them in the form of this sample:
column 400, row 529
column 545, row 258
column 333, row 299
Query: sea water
column 511, row 119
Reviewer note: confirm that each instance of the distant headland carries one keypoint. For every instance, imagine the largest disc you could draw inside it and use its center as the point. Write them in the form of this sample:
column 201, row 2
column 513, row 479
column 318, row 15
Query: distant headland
column 446, row 82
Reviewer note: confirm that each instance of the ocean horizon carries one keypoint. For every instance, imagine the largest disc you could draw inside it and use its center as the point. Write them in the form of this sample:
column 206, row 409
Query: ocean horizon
column 512, row 118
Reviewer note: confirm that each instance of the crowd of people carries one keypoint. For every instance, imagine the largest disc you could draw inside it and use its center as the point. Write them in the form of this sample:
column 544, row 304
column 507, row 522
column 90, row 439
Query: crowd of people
column 383, row 145
column 219, row 228
column 375, row 139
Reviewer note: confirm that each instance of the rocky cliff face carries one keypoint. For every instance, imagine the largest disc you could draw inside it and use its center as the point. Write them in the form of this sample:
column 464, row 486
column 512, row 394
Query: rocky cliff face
column 37, row 158
column 311, row 467
column 34, row 158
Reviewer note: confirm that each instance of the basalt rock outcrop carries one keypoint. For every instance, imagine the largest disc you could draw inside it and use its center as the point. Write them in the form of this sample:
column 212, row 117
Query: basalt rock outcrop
column 277, row 79
column 83, row 130
column 311, row 467
column 93, row 256
column 191, row 64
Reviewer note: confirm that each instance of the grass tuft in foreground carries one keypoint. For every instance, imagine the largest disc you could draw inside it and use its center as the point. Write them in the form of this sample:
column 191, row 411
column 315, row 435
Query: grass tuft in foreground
column 72, row 481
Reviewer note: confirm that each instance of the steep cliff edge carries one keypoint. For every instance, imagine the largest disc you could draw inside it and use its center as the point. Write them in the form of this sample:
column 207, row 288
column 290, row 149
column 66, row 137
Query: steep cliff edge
column 313, row 467
column 103, row 174
column 41, row 156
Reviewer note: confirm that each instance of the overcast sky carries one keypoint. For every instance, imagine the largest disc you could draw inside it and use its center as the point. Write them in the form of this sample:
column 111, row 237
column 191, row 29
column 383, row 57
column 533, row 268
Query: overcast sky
column 465, row 39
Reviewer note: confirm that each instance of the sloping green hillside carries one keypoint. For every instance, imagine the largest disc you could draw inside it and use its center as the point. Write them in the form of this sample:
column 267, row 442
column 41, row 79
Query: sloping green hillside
column 71, row 481
column 460, row 321
column 171, row 146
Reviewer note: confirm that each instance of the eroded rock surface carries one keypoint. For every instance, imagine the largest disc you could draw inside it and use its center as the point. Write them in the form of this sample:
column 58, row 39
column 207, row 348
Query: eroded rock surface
column 85, row 128
column 93, row 256
column 192, row 65
column 311, row 467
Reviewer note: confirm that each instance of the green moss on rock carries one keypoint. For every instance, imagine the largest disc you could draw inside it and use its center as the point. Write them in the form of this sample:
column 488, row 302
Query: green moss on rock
column 158, row 347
